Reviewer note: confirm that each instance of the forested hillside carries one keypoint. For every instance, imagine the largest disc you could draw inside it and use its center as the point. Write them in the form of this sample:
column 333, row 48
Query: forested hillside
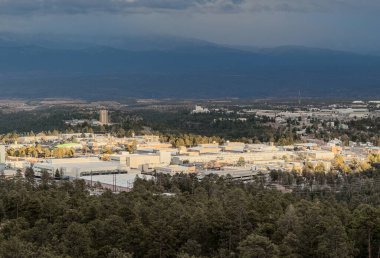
column 210, row 218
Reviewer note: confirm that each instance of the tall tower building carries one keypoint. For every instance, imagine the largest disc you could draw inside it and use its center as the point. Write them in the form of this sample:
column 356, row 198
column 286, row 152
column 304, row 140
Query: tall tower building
column 103, row 116
column 2, row 154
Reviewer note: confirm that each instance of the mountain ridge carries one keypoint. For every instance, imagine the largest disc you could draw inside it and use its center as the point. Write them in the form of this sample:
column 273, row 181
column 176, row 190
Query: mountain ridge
column 183, row 69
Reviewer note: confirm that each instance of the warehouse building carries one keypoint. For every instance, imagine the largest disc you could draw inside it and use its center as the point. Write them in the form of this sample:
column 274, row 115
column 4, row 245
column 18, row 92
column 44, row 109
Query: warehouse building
column 137, row 161
column 77, row 167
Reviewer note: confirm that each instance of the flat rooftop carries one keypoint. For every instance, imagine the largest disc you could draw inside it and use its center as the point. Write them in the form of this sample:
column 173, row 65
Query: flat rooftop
column 123, row 180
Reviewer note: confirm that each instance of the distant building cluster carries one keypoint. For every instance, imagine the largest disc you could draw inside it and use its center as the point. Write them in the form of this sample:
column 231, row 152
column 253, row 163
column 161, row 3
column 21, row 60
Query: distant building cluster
column 150, row 156
column 104, row 119
column 99, row 156
column 328, row 113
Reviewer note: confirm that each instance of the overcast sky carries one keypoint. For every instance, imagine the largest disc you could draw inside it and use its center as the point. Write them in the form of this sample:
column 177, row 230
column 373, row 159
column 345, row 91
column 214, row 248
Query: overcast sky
column 338, row 24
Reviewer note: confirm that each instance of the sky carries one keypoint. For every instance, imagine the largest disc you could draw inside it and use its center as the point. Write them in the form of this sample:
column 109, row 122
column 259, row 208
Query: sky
column 338, row 24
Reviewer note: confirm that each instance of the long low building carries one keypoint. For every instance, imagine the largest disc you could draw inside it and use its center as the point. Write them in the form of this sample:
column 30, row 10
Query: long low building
column 236, row 174
column 174, row 169
column 77, row 167
column 319, row 154
column 137, row 161
column 118, row 182
column 250, row 157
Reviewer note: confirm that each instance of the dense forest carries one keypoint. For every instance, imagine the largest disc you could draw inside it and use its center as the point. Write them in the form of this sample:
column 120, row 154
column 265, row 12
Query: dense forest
column 214, row 217
column 175, row 127
column 40, row 119
column 219, row 124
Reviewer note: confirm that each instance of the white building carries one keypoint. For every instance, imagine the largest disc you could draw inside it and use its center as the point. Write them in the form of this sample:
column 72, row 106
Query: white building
column 76, row 167
column 199, row 110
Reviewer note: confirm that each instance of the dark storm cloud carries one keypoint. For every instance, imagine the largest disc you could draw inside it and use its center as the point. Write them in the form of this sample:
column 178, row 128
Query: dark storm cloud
column 338, row 24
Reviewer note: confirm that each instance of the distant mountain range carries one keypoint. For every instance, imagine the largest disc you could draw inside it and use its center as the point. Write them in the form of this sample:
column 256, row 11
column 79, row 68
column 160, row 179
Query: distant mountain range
column 157, row 67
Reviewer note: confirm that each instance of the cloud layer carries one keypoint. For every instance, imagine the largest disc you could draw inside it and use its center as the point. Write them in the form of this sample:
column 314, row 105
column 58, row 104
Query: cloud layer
column 17, row 7
column 113, row 6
